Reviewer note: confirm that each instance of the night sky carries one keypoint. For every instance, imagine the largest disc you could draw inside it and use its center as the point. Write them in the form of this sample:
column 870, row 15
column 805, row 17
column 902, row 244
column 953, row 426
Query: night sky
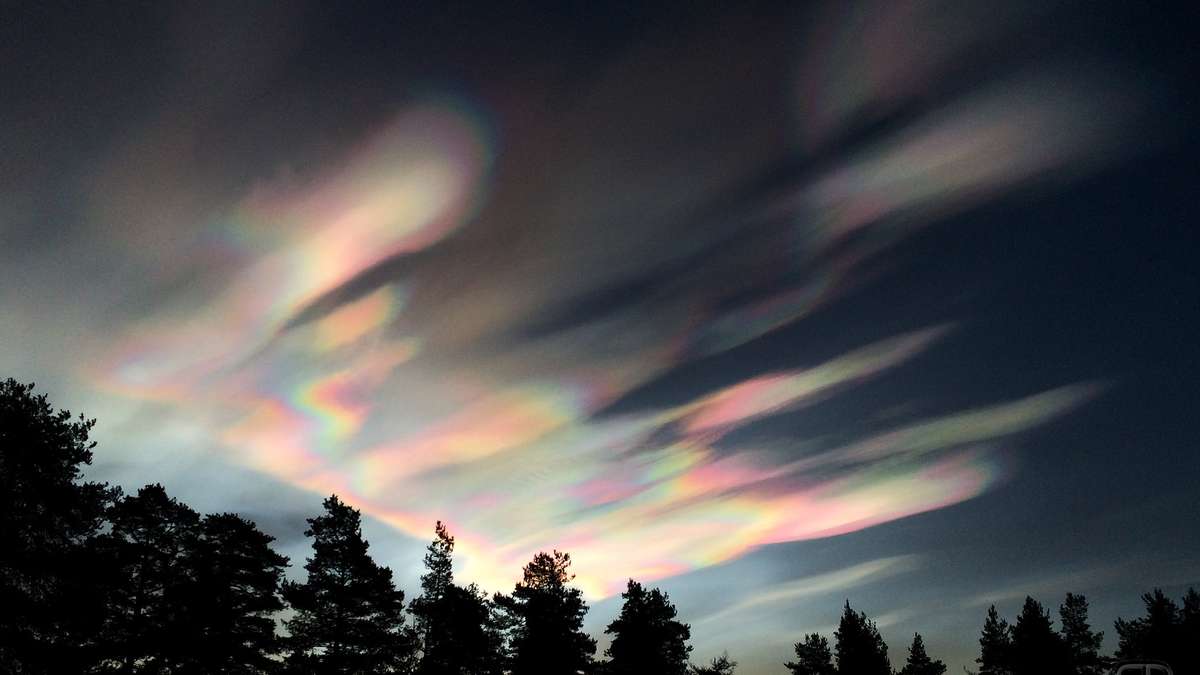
column 774, row 307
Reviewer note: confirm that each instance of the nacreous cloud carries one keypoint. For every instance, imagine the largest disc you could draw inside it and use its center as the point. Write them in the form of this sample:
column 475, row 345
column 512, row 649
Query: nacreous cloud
column 434, row 338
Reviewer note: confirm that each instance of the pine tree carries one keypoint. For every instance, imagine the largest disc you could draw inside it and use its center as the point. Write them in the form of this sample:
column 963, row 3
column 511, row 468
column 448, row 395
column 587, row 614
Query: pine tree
column 1157, row 635
column 546, row 620
column 646, row 636
column 349, row 616
column 860, row 648
column 1189, row 652
column 721, row 665
column 995, row 645
column 1083, row 645
column 458, row 632
column 48, row 520
column 429, row 609
column 1037, row 648
column 812, row 657
column 149, row 579
column 473, row 632
column 919, row 663
column 230, row 605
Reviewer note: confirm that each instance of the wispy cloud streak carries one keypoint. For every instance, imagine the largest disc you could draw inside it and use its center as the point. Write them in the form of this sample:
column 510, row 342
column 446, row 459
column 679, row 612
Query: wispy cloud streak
column 443, row 323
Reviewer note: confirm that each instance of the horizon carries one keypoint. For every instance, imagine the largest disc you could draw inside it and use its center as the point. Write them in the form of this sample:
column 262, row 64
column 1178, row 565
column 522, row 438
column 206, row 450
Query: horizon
column 129, row 520
column 770, row 308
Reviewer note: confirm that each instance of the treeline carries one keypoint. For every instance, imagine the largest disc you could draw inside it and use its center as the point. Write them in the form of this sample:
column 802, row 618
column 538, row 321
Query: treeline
column 1029, row 646
column 96, row 581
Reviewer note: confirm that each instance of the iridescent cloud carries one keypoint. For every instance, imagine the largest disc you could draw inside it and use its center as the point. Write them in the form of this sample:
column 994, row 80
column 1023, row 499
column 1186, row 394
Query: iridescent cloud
column 825, row 583
column 379, row 330
column 771, row 393
column 533, row 471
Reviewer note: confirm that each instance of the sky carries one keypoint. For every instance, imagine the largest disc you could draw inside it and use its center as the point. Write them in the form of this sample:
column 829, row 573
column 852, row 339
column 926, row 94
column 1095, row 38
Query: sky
column 773, row 306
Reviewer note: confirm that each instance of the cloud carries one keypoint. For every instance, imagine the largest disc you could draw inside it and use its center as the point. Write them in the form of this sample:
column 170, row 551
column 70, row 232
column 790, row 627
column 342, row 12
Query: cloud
column 772, row 393
column 955, row 430
column 452, row 313
column 825, row 584
column 364, row 344
column 1051, row 585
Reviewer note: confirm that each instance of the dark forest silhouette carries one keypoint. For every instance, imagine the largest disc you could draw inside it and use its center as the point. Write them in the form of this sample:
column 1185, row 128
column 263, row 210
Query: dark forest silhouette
column 95, row 581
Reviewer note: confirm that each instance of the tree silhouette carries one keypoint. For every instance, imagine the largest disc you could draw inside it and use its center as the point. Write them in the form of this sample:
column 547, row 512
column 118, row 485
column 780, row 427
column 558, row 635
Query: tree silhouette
column 1153, row 635
column 349, row 616
column 812, row 657
column 1165, row 632
column 1037, row 648
column 860, row 649
column 546, row 620
column 995, row 645
column 721, row 665
column 429, row 609
column 231, row 603
column 1189, row 656
column 48, row 517
column 1083, row 645
column 646, row 636
column 91, row 582
column 918, row 662
column 148, row 549
column 458, row 632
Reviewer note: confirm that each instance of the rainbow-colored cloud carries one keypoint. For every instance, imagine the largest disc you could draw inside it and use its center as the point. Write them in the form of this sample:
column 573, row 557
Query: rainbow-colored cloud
column 380, row 330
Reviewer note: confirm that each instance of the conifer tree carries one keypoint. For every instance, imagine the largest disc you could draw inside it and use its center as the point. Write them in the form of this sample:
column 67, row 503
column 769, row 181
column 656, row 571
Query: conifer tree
column 231, row 603
column 429, row 608
column 149, row 577
column 1037, row 648
column 721, row 665
column 1189, row 657
column 349, row 616
column 1083, row 645
column 860, row 648
column 49, row 516
column 995, row 645
column 919, row 663
column 812, row 657
column 545, row 615
column 458, row 632
column 646, row 636
column 1159, row 634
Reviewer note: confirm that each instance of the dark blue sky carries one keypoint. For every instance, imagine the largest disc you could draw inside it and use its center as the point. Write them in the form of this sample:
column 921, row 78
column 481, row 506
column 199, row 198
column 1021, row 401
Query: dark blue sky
column 774, row 306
